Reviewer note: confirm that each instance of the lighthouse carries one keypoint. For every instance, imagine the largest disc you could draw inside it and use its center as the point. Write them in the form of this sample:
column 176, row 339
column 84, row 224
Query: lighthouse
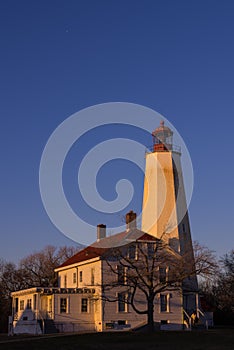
column 164, row 208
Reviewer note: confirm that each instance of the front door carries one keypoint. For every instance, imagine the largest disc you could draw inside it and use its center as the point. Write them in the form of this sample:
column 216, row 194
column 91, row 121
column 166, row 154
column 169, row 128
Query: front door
column 46, row 306
column 49, row 307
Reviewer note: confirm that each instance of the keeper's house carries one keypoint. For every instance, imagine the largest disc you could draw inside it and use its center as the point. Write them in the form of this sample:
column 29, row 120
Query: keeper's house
column 83, row 302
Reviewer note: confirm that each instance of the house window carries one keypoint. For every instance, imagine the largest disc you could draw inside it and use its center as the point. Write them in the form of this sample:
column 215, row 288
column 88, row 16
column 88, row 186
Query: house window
column 63, row 305
column 84, row 305
column 92, row 277
column 29, row 304
column 122, row 322
column 65, row 281
column 110, row 325
column 122, row 274
column 21, row 305
column 164, row 303
column 122, row 302
column 162, row 274
column 81, row 276
column 150, row 250
column 132, row 252
column 50, row 305
column 34, row 301
column 164, row 321
column 74, row 277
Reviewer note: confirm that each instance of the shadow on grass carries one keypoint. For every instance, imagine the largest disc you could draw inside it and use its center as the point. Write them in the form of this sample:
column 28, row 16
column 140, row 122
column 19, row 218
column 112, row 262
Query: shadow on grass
column 215, row 339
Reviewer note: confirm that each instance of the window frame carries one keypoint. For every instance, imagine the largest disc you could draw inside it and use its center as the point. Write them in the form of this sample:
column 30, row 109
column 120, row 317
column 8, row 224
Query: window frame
column 164, row 306
column 74, row 278
column 34, row 301
column 122, row 274
column 84, row 306
column 29, row 304
column 63, row 308
column 150, row 249
column 21, row 305
column 81, row 276
column 132, row 252
column 163, row 274
column 122, row 302
column 92, row 276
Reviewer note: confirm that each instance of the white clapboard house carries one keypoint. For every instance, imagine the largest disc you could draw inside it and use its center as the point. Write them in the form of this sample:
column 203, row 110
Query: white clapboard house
column 88, row 297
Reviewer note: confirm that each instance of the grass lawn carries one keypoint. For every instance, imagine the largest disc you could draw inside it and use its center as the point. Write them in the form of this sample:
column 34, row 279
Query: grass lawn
column 216, row 339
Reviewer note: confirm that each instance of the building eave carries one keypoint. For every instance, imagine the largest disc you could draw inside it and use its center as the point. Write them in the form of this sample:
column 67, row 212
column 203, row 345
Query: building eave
column 53, row 290
column 81, row 263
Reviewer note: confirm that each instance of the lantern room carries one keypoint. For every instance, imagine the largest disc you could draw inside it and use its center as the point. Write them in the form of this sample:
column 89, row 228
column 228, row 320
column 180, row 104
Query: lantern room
column 162, row 138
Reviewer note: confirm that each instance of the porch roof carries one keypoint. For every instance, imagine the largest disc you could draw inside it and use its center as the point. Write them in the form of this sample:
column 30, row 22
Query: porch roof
column 52, row 290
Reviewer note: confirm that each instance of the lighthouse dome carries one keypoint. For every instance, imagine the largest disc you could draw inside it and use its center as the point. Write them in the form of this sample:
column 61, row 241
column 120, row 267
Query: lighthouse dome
column 162, row 138
column 162, row 129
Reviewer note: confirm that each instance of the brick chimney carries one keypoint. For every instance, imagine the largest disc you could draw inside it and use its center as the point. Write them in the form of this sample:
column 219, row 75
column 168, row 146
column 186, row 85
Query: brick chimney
column 101, row 232
column 131, row 220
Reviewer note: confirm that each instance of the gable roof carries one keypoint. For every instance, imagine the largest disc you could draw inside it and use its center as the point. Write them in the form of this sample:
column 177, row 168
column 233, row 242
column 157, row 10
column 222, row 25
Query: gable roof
column 98, row 248
column 85, row 254
column 123, row 238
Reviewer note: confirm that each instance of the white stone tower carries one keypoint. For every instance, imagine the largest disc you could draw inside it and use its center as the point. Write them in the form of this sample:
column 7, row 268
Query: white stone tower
column 165, row 212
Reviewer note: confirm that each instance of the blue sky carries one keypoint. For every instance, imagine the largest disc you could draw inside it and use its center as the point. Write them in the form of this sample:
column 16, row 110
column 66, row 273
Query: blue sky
column 57, row 57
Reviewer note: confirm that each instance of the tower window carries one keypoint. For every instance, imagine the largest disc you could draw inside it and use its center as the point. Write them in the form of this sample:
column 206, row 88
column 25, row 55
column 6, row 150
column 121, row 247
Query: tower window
column 74, row 277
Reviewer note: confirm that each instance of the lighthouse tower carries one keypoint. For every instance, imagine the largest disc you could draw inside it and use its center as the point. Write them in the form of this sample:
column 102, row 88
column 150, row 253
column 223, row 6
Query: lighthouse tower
column 164, row 211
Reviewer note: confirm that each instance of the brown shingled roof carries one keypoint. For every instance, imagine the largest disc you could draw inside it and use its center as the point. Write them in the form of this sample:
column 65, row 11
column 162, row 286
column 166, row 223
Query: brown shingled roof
column 97, row 249
column 85, row 254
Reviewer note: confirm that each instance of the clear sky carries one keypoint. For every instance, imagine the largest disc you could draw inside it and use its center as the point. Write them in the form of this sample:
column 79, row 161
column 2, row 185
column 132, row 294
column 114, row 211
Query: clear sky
column 57, row 57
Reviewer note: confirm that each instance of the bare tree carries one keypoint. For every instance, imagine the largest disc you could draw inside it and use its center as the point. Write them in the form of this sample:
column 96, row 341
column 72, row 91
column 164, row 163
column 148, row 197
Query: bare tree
column 39, row 267
column 224, row 288
column 11, row 279
column 146, row 268
column 218, row 292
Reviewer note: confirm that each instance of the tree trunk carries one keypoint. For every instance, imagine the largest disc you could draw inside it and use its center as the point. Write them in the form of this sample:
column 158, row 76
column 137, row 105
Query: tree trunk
column 150, row 314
